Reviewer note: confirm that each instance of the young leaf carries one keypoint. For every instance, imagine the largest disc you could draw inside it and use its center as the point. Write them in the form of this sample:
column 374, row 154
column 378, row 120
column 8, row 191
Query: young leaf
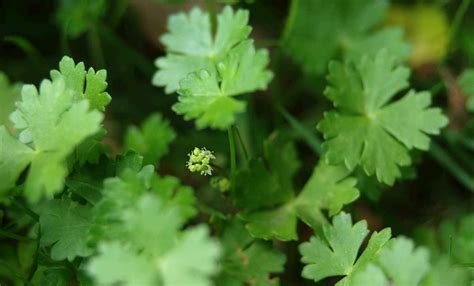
column 404, row 264
column 466, row 83
column 158, row 250
column 117, row 263
column 442, row 273
column 457, row 239
column 246, row 260
column 151, row 140
column 14, row 158
column 193, row 261
column 318, row 30
column 208, row 96
column 9, row 94
column 336, row 253
column 65, row 227
column 208, row 70
column 89, row 85
column 192, row 47
column 367, row 129
column 52, row 124
column 329, row 187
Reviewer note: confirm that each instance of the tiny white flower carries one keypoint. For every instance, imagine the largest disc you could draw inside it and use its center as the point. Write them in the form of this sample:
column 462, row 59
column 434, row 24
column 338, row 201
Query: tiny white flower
column 200, row 161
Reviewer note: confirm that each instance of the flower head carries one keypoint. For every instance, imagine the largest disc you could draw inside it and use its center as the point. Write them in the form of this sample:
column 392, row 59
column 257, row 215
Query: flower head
column 200, row 161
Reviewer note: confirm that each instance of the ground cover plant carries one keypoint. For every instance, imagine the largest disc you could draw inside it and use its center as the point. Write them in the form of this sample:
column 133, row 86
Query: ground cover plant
column 228, row 143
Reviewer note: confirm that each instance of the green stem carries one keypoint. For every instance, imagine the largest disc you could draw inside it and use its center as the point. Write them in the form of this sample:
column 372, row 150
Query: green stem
column 96, row 47
column 290, row 20
column 25, row 209
column 7, row 234
column 34, row 267
column 308, row 136
column 451, row 165
column 458, row 18
column 244, row 149
column 233, row 162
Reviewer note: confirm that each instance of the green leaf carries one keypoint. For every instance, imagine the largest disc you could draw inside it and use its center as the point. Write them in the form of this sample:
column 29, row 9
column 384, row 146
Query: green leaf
column 207, row 70
column 391, row 39
column 329, row 187
column 52, row 123
column 466, row 83
column 317, row 30
column 56, row 277
column 370, row 276
column 76, row 17
column 457, row 239
column 14, row 157
column 207, row 96
column 65, row 227
column 119, row 264
column 404, row 264
column 89, row 85
column 138, row 221
column 9, row 94
column 279, row 223
column 335, row 254
column 193, row 261
column 122, row 194
column 442, row 273
column 257, row 188
column 367, row 129
column 90, row 150
column 170, row 190
column 151, row 244
column 151, row 140
column 282, row 157
column 246, row 260
column 191, row 46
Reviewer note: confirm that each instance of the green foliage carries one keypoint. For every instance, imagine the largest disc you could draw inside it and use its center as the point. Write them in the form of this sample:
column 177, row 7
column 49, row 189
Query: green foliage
column 151, row 140
column 52, row 123
column 9, row 93
column 151, row 252
column 319, row 30
column 380, row 132
column 208, row 70
column 336, row 253
column 65, row 226
column 76, row 17
column 466, row 83
column 90, row 202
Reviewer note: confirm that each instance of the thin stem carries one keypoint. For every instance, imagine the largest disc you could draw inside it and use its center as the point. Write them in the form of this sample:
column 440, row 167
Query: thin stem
column 458, row 18
column 25, row 209
column 308, row 136
column 35, row 261
column 233, row 163
column 7, row 234
column 244, row 149
column 96, row 47
column 290, row 20
column 451, row 165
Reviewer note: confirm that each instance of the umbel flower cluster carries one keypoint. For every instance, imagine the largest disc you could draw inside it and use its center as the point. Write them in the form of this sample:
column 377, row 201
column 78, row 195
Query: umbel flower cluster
column 199, row 161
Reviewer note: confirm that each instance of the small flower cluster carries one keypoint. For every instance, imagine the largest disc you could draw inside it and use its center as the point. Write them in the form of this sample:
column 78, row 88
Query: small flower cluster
column 199, row 161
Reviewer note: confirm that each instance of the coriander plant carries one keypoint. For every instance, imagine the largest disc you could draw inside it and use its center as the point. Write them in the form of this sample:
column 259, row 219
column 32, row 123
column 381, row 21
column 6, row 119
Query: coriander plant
column 299, row 142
